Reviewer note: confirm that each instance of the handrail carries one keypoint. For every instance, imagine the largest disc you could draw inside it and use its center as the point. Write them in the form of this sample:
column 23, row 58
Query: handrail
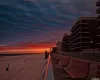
column 47, row 71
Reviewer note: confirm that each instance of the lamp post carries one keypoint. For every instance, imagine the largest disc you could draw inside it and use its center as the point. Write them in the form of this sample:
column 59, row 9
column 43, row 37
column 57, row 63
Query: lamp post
column 50, row 48
column 92, row 46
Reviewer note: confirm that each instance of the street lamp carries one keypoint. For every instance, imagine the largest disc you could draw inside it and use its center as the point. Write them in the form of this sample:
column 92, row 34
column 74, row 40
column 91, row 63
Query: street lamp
column 50, row 48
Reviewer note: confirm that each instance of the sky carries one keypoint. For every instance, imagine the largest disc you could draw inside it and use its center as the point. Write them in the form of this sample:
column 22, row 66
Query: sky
column 40, row 22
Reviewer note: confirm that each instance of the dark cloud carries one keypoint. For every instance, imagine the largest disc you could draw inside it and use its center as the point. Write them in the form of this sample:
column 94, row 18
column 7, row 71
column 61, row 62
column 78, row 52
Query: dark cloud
column 37, row 20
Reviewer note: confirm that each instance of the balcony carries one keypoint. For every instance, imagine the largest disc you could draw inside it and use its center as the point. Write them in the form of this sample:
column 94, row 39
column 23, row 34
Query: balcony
column 81, row 47
column 98, row 10
column 76, row 47
column 98, row 25
column 74, row 28
column 79, row 29
column 78, row 38
column 80, row 43
column 98, row 31
column 75, row 35
column 77, row 24
column 98, row 3
column 98, row 18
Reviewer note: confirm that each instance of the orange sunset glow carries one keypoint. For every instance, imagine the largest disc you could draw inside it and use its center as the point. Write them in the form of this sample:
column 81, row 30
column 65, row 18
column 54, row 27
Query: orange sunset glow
column 26, row 49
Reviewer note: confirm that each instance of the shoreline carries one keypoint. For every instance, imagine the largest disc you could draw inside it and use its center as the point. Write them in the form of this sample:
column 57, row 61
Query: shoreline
column 18, row 54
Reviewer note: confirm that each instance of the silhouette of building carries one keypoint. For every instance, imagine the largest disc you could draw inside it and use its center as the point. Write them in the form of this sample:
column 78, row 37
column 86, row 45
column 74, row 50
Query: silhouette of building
column 98, row 22
column 66, row 43
column 59, row 45
column 84, row 34
column 54, row 50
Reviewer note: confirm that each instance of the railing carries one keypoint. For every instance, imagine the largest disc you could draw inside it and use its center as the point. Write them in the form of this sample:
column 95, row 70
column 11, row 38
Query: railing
column 47, row 73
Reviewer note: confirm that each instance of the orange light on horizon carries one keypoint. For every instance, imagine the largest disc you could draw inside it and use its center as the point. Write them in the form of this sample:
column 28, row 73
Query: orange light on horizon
column 25, row 50
column 43, row 50
column 36, row 48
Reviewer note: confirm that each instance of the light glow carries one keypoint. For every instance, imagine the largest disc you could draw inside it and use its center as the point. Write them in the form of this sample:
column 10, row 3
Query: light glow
column 25, row 50
column 38, row 48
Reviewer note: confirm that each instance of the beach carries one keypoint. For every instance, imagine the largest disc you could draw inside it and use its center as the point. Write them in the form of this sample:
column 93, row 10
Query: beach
column 24, row 67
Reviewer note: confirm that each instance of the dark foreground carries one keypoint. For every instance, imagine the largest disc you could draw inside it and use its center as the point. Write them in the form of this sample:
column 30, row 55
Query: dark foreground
column 78, row 67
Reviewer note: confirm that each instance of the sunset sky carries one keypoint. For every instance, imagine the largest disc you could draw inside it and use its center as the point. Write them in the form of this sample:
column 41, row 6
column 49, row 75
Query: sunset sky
column 32, row 25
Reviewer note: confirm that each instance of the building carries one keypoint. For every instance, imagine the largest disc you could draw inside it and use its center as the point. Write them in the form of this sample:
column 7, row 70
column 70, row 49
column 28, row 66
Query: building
column 98, row 22
column 84, row 34
column 66, row 43
column 59, row 43
column 54, row 50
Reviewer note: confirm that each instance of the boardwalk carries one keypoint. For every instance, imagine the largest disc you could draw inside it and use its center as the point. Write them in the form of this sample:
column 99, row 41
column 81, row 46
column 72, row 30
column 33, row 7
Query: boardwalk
column 28, row 67
column 61, row 74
